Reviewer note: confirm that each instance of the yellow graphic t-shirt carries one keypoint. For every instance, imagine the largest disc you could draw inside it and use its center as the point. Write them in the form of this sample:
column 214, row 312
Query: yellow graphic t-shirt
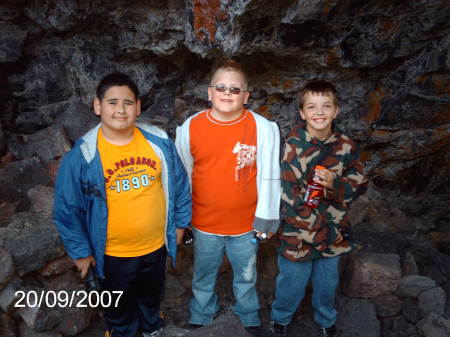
column 135, row 197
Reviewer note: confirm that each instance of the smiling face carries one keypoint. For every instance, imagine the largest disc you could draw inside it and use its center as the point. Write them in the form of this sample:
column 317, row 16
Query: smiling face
column 118, row 110
column 319, row 110
column 225, row 105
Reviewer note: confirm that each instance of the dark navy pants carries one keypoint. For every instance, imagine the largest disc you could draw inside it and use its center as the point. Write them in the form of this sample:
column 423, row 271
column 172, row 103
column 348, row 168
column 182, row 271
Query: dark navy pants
column 142, row 281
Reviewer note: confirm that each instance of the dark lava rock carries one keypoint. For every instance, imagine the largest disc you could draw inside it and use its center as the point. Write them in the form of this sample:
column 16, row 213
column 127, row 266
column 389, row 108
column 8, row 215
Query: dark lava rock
column 32, row 241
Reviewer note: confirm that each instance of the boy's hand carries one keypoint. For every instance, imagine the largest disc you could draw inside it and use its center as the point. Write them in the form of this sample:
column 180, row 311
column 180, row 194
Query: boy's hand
column 83, row 264
column 180, row 232
column 269, row 235
column 325, row 178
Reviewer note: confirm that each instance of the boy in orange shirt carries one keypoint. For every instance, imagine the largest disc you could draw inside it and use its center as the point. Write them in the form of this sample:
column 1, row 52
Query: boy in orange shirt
column 121, row 205
column 231, row 156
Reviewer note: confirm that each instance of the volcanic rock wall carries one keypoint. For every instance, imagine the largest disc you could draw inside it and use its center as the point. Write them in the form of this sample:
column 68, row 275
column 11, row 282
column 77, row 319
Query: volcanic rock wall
column 388, row 59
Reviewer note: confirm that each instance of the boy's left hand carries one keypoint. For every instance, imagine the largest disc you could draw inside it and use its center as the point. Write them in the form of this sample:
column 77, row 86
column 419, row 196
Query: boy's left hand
column 180, row 232
column 325, row 178
column 269, row 235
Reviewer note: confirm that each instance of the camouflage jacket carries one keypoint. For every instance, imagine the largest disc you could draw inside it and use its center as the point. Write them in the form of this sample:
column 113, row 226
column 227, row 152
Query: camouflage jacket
column 310, row 233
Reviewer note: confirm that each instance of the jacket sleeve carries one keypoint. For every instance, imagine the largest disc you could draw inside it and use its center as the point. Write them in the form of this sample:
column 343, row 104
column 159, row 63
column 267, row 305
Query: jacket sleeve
column 69, row 213
column 183, row 201
column 291, row 176
column 183, row 145
column 352, row 183
column 267, row 216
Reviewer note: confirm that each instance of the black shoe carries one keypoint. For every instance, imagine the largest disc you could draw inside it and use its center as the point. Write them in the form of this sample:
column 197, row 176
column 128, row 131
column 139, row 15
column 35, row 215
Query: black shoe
column 327, row 332
column 255, row 331
column 278, row 329
column 192, row 326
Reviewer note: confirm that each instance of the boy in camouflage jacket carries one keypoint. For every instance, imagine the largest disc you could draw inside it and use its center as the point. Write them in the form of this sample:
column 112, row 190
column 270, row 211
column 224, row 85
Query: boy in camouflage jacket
column 312, row 239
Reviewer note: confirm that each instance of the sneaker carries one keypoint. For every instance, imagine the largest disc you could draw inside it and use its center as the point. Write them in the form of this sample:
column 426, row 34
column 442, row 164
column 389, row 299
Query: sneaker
column 277, row 329
column 327, row 332
column 156, row 333
column 255, row 331
column 192, row 326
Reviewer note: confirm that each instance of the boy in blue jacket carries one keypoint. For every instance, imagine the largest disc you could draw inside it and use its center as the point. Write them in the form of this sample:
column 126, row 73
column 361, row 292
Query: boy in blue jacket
column 122, row 202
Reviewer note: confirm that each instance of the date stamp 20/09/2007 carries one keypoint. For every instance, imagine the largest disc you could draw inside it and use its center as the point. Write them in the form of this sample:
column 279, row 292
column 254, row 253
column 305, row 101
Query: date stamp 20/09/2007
column 64, row 299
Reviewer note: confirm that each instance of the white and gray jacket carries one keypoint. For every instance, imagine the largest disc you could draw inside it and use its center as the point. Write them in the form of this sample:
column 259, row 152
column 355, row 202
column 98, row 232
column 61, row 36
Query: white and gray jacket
column 267, row 215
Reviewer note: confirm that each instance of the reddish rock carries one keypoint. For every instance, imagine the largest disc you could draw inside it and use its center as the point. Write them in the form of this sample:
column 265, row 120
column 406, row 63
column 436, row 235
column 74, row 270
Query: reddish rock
column 207, row 13
column 388, row 305
column 40, row 318
column 7, row 326
column 74, row 320
column 409, row 265
column 68, row 281
column 6, row 159
column 372, row 275
column 57, row 267
column 52, row 169
column 7, row 210
column 7, row 267
column 26, row 331
column 180, row 106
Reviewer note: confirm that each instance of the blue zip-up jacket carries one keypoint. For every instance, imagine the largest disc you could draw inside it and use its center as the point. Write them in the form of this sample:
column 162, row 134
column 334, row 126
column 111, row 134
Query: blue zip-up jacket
column 80, row 211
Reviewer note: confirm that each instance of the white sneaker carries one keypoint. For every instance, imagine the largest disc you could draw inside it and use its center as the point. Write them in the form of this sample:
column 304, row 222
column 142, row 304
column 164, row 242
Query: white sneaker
column 156, row 333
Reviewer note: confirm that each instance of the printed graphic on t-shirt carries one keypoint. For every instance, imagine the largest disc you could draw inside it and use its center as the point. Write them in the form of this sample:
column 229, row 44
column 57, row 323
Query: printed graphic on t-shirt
column 245, row 156
column 130, row 173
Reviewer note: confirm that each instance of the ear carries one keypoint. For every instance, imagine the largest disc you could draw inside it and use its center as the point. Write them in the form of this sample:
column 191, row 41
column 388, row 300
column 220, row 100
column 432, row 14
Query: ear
column 97, row 106
column 246, row 97
column 302, row 115
column 138, row 107
column 336, row 113
column 210, row 89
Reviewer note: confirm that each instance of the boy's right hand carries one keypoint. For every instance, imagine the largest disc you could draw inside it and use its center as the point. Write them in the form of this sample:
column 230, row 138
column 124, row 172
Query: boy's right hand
column 83, row 265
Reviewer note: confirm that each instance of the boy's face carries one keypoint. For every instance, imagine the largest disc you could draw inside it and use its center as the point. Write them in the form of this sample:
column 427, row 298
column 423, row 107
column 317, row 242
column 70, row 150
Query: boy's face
column 319, row 111
column 118, row 109
column 225, row 103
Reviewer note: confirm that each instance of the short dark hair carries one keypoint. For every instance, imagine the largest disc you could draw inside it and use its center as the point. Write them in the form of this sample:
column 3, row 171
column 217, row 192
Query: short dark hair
column 116, row 80
column 229, row 65
column 317, row 87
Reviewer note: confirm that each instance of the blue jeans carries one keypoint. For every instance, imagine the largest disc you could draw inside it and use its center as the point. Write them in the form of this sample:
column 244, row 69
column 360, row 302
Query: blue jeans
column 208, row 256
column 290, row 289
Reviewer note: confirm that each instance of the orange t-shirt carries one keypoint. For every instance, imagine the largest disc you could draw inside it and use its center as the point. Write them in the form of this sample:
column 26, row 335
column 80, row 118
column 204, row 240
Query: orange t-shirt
column 224, row 173
column 134, row 195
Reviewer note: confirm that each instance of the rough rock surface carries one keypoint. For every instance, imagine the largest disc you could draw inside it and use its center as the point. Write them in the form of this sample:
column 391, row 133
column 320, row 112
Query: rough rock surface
column 388, row 59
column 7, row 326
column 23, row 239
column 8, row 297
column 48, row 144
column 434, row 326
column 57, row 266
column 223, row 326
column 41, row 199
column 7, row 269
column 372, row 275
column 432, row 300
column 413, row 285
column 357, row 318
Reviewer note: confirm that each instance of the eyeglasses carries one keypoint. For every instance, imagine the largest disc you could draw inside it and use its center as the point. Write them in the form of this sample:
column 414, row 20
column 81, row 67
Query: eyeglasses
column 223, row 88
